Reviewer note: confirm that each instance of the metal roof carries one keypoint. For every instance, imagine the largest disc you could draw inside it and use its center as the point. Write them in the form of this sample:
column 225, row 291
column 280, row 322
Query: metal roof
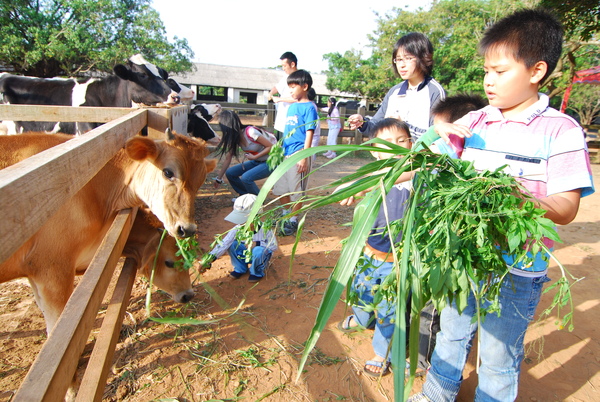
column 216, row 75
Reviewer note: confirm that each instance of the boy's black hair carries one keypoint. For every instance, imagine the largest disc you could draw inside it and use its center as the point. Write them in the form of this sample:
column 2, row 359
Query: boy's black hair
column 418, row 45
column 531, row 35
column 290, row 56
column 454, row 107
column 300, row 77
column 390, row 123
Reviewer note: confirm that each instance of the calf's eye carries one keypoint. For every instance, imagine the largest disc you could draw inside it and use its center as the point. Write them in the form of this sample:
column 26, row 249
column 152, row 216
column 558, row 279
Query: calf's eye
column 169, row 264
column 168, row 173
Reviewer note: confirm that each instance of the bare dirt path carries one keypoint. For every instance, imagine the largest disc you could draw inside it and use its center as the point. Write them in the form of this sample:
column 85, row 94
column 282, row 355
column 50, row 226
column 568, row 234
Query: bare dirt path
column 254, row 353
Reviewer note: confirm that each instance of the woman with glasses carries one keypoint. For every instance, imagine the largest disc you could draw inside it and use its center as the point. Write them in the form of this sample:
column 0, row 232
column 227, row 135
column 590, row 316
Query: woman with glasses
column 411, row 100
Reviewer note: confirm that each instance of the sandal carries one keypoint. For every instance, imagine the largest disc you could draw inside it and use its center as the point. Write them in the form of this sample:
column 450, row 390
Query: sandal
column 385, row 368
column 344, row 325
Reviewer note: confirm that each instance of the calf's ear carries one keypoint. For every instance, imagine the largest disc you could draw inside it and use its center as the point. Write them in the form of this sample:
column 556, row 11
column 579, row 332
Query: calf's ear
column 140, row 148
column 210, row 164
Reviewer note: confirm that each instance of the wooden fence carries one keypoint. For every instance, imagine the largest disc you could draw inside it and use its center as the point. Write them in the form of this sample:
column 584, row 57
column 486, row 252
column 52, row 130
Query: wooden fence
column 264, row 115
column 51, row 173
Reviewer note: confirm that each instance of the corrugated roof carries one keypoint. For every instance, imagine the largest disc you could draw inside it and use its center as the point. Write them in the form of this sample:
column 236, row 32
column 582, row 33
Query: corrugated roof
column 244, row 78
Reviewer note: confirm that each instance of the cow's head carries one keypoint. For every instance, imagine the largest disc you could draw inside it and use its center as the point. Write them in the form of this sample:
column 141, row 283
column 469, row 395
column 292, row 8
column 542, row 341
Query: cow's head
column 208, row 112
column 168, row 274
column 198, row 125
column 169, row 174
column 145, row 248
column 146, row 86
column 184, row 93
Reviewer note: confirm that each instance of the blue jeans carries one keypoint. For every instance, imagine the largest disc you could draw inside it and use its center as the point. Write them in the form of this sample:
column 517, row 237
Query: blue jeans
column 373, row 274
column 242, row 177
column 260, row 259
column 501, row 344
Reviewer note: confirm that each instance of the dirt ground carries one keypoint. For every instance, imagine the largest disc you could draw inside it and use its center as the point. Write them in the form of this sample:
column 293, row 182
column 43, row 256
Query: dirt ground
column 253, row 354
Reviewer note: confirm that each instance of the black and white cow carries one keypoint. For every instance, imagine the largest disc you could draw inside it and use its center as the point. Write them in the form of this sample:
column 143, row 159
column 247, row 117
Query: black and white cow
column 184, row 93
column 131, row 83
column 198, row 122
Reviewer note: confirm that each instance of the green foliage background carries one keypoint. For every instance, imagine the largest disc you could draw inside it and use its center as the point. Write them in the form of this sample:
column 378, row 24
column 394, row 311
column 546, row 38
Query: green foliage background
column 455, row 28
column 47, row 38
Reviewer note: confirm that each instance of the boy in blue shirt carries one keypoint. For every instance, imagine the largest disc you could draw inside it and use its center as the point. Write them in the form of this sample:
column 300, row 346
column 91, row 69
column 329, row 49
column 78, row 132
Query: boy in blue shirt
column 302, row 118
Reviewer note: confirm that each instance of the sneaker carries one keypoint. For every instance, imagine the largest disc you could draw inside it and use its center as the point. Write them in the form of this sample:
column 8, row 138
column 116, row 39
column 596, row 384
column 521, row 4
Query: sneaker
column 327, row 154
column 254, row 278
column 420, row 397
column 331, row 155
column 235, row 275
column 289, row 228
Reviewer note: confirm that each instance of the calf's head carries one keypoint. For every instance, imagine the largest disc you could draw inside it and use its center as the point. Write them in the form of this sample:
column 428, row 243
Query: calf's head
column 169, row 274
column 143, row 247
column 167, row 177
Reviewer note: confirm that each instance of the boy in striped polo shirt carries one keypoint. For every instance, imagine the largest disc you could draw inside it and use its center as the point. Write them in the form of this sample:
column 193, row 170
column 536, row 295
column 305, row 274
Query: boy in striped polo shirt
column 546, row 151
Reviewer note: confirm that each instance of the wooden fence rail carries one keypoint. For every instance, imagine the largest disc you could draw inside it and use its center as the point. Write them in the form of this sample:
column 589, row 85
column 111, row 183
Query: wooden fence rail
column 267, row 112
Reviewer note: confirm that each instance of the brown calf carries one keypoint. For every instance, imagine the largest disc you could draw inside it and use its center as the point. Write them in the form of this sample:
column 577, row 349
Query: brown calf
column 164, row 175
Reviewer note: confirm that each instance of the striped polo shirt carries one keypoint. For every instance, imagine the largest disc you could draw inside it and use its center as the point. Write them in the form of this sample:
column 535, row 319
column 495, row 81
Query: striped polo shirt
column 543, row 149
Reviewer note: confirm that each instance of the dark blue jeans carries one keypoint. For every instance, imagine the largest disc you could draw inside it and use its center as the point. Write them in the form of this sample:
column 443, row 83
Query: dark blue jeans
column 242, row 177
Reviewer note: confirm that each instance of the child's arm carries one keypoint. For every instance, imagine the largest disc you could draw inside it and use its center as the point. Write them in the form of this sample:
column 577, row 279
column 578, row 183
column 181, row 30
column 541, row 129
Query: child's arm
column 406, row 176
column 444, row 130
column 302, row 166
column 219, row 178
column 561, row 207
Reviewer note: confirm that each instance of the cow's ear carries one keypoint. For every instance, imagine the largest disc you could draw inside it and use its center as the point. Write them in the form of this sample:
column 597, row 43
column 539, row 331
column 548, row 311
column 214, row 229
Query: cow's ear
column 163, row 73
column 141, row 148
column 122, row 71
column 210, row 164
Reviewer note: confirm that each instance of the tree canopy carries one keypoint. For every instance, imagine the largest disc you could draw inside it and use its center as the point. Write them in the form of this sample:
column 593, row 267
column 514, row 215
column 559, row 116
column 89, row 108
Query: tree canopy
column 454, row 28
column 580, row 16
column 47, row 38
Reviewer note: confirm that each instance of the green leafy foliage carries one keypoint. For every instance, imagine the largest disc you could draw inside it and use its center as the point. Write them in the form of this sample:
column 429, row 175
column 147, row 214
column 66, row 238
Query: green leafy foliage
column 455, row 28
column 188, row 253
column 577, row 15
column 47, row 38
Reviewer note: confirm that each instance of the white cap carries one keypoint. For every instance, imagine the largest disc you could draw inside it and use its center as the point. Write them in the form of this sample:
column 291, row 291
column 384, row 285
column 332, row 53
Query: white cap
column 241, row 209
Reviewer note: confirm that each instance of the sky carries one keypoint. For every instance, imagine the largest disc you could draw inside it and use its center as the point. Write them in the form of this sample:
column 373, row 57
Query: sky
column 254, row 33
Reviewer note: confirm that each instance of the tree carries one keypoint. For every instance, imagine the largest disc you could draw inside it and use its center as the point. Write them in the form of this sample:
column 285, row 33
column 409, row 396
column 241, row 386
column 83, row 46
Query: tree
column 585, row 101
column 582, row 16
column 47, row 38
column 455, row 28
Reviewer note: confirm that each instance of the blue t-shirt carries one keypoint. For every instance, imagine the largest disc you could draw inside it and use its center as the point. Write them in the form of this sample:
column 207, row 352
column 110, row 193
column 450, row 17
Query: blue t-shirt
column 301, row 116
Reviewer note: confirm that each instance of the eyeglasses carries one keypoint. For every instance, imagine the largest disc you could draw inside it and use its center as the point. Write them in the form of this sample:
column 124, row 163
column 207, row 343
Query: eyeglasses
column 405, row 60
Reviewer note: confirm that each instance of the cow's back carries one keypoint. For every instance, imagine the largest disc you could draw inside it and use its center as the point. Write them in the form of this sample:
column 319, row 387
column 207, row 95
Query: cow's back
column 15, row 148
column 20, row 90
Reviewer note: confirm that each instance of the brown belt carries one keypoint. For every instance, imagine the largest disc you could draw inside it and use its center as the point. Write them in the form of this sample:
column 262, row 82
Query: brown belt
column 378, row 255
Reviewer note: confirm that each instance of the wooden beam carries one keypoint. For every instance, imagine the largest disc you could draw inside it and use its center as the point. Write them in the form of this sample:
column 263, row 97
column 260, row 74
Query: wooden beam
column 62, row 113
column 94, row 380
column 52, row 372
column 33, row 190
column 160, row 118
